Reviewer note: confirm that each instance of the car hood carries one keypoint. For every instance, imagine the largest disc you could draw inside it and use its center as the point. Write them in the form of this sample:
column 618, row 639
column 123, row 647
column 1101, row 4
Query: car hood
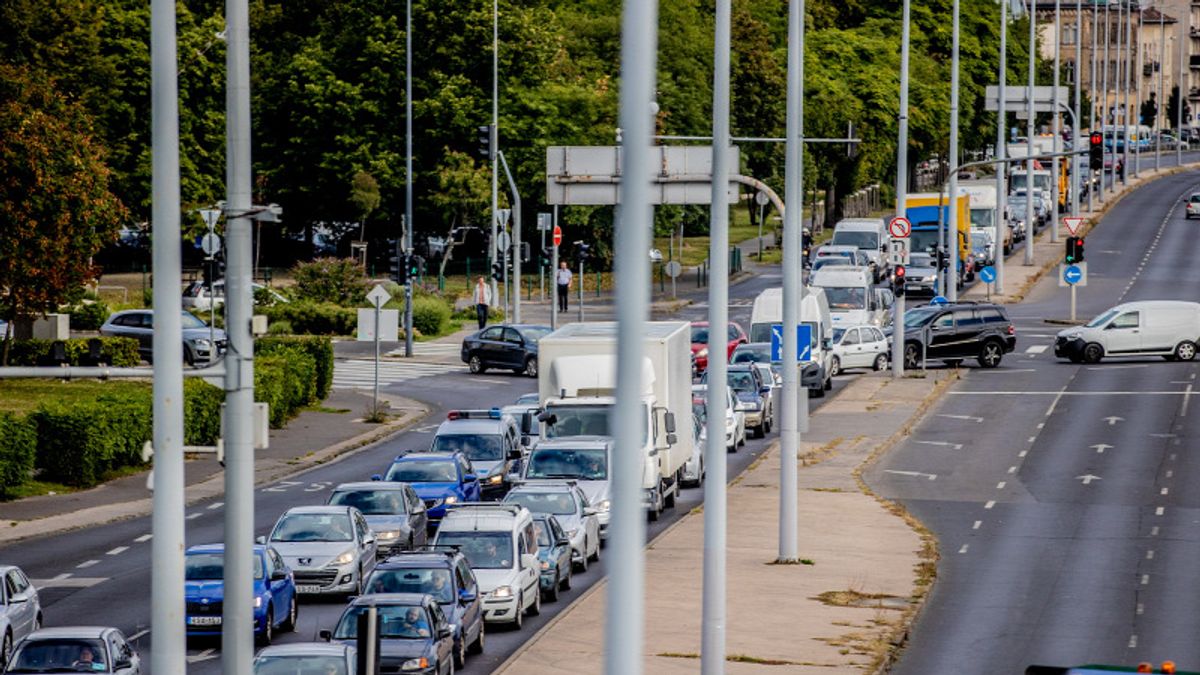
column 491, row 579
column 570, row 521
column 434, row 490
column 398, row 649
column 596, row 490
column 850, row 317
column 747, row 396
column 384, row 522
column 204, row 591
column 315, row 553
column 485, row 468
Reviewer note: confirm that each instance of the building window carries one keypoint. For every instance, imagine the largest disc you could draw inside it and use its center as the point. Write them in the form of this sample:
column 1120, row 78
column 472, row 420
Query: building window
column 1068, row 35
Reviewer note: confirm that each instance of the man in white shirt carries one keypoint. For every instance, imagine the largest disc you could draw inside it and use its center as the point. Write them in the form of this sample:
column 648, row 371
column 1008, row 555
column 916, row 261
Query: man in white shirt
column 562, row 277
column 483, row 298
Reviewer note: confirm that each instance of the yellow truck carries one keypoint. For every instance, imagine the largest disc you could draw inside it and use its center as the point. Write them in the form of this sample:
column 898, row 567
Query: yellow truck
column 923, row 210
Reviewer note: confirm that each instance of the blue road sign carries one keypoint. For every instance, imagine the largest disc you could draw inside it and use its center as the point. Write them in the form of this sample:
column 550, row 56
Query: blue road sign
column 939, row 300
column 988, row 274
column 803, row 342
column 1072, row 274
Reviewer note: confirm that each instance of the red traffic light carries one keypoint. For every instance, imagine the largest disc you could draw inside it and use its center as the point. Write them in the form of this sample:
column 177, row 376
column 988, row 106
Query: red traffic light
column 1097, row 138
column 899, row 273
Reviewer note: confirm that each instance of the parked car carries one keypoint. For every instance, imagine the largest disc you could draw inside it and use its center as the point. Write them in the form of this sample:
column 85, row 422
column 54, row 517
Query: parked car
column 393, row 511
column 414, row 634
column 330, row 549
column 509, row 346
column 200, row 342
column 489, row 438
column 554, row 555
column 69, row 649
column 860, row 347
column 275, row 605
column 735, row 419
column 446, row 576
column 1166, row 328
column 567, row 502
column 20, row 609
column 583, row 459
column 307, row 657
column 734, row 337
column 440, row 479
column 198, row 297
column 952, row 333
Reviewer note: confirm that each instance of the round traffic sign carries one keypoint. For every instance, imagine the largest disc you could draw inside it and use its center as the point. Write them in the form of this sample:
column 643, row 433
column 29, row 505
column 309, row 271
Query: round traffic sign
column 762, row 198
column 988, row 274
column 1072, row 274
column 900, row 228
column 557, row 235
column 674, row 269
column 210, row 243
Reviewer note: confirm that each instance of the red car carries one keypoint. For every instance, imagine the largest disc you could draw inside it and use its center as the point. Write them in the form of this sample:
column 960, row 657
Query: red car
column 735, row 337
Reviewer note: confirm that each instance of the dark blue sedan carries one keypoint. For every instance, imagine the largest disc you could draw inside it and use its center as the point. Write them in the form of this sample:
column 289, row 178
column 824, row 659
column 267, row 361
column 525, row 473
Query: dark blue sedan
column 514, row 347
column 204, row 591
column 439, row 479
column 414, row 634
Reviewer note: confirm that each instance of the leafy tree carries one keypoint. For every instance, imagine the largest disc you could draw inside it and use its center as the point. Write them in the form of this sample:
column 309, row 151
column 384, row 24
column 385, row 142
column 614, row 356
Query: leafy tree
column 1149, row 111
column 337, row 280
column 364, row 195
column 464, row 192
column 1173, row 108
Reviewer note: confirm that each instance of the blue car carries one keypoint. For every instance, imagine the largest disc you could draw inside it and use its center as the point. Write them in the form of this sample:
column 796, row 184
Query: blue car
column 440, row 480
column 204, row 589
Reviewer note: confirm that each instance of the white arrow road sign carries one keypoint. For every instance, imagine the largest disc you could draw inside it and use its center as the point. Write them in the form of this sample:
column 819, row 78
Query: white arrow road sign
column 969, row 418
column 1113, row 419
column 1100, row 447
column 945, row 444
column 1088, row 478
column 914, row 474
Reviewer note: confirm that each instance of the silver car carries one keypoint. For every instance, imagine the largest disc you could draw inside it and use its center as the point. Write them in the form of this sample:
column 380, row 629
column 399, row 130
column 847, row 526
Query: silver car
column 20, row 610
column 334, row 658
column 582, row 459
column 566, row 502
column 201, row 343
column 330, row 549
column 393, row 511
column 91, row 649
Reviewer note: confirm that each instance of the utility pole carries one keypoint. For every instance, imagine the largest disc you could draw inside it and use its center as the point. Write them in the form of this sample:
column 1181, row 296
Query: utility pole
column 1056, row 127
column 554, row 276
column 1095, row 100
column 1137, row 103
column 1076, row 174
column 901, row 182
column 1160, row 112
column 1127, row 59
column 624, row 639
column 1111, row 133
column 953, row 274
column 1001, row 150
column 1029, row 131
column 492, row 245
column 1183, row 36
column 408, row 181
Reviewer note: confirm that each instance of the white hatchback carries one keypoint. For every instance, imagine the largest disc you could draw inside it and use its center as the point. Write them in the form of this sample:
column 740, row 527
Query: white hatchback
column 1193, row 206
column 859, row 347
column 20, row 610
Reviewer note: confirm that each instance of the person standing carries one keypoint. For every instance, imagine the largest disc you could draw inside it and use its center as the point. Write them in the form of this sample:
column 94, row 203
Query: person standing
column 483, row 298
column 563, row 278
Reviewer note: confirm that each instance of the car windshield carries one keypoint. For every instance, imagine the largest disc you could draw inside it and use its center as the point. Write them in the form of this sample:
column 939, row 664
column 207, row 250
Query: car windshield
column 211, row 567
column 919, row 317
column 1102, row 319
column 923, row 240
column 920, row 260
column 699, row 334
column 434, row 581
column 484, row 550
column 534, row 333
column 585, row 420
column 300, row 665
column 698, row 407
column 983, row 218
column 477, row 447
column 436, row 471
column 741, row 380
column 578, row 463
column 557, row 503
column 371, row 502
column 59, row 655
column 190, row 321
column 756, row 354
column 527, row 399
column 837, row 334
column 859, row 239
column 313, row 527
column 831, row 262
column 845, row 297
column 396, row 622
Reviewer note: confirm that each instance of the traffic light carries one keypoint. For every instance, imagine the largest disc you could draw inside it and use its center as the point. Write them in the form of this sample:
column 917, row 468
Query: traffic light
column 414, row 266
column 487, row 142
column 898, row 278
column 497, row 271
column 524, row 252
column 943, row 260
column 547, row 256
column 582, row 252
column 397, row 268
column 1096, row 151
column 1074, row 250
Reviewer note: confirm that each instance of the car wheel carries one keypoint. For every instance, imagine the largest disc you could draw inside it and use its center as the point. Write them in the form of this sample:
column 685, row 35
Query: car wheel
column 268, row 634
column 582, row 565
column 289, row 624
column 564, row 584
column 551, row 594
column 990, row 354
column 536, row 608
column 476, row 647
column 476, row 365
column 531, row 366
column 835, row 367
column 460, row 654
column 519, row 621
column 828, row 384
column 1185, row 351
column 912, row 356
column 881, row 361
column 596, row 555
column 6, row 648
column 1092, row 353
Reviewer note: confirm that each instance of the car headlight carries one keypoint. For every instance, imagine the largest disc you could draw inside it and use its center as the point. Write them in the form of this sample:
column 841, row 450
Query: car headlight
column 388, row 535
column 344, row 558
column 931, row 278
column 702, row 354
column 452, row 499
column 604, row 505
column 258, row 602
column 502, row 592
column 415, row 664
column 202, row 342
column 572, row 533
column 495, row 480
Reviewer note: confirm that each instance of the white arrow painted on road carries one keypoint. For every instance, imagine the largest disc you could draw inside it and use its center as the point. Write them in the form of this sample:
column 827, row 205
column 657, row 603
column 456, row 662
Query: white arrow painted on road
column 202, row 656
column 1113, row 420
column 1100, row 447
column 914, row 474
column 969, row 418
column 956, row 446
column 1088, row 478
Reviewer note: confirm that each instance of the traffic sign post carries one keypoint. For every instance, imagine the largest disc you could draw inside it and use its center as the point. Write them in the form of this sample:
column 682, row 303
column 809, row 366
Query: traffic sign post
column 1074, row 276
column 988, row 275
column 900, row 228
column 556, row 240
column 803, row 342
column 1072, row 224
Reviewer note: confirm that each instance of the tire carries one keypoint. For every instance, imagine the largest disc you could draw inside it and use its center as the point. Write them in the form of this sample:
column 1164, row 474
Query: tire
column 1092, row 353
column 188, row 359
column 912, row 356
column 835, row 367
column 6, row 648
column 881, row 362
column 460, row 655
column 289, row 624
column 552, row 594
column 1075, row 358
column 760, row 431
column 1185, row 351
column 518, row 621
column 991, row 354
column 654, row 513
column 477, row 646
column 476, row 365
column 268, row 634
column 596, row 555
column 582, row 565
column 531, row 366
column 536, row 609
column 828, row 384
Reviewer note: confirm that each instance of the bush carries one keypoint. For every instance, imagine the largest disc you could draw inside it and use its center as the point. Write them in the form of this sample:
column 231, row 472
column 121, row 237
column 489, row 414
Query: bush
column 18, row 445
column 201, row 412
column 77, row 443
column 337, row 280
column 281, row 327
column 286, row 381
column 431, row 316
column 314, row 318
column 319, row 348
column 87, row 315
column 120, row 352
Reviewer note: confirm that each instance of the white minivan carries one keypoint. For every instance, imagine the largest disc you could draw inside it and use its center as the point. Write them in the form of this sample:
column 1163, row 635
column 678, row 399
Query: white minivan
column 1166, row 328
column 852, row 296
column 868, row 235
column 815, row 374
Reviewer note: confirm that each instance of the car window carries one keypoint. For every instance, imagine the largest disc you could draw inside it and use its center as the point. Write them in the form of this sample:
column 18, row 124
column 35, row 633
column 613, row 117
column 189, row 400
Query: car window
column 1126, row 320
column 361, row 524
column 992, row 316
column 944, row 321
column 530, row 540
column 877, row 335
column 491, row 333
column 513, row 337
column 851, row 337
column 370, row 502
column 966, row 317
column 465, row 574
column 20, row 583
column 276, row 559
column 1195, row 199
column 421, row 471
column 734, row 333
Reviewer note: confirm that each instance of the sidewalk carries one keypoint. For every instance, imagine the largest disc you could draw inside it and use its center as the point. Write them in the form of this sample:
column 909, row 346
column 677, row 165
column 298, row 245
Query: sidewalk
column 864, row 573
column 312, row 438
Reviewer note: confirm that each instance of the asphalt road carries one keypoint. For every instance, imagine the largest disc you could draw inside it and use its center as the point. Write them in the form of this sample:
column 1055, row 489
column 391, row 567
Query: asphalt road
column 1060, row 494
column 102, row 575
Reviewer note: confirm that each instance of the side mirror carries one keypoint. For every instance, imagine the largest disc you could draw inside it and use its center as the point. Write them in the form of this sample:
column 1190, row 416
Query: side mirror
column 526, row 441
column 589, row 511
column 121, row 665
column 470, row 478
column 260, row 540
column 368, row 540
column 444, row 632
column 466, row 595
column 765, row 390
column 19, row 597
column 325, row 635
column 740, row 407
column 827, row 343
column 669, row 422
column 376, row 476
column 515, row 453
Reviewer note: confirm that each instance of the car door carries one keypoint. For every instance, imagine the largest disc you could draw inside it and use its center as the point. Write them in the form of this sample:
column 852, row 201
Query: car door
column 876, row 345
column 470, row 488
column 473, row 610
column 491, row 345
column 444, row 646
column 968, row 325
column 852, row 355
column 514, row 348
column 592, row 522
column 22, row 603
column 527, row 543
column 125, row 660
column 282, row 590
column 1123, row 335
column 418, row 518
column 366, row 542
column 940, row 343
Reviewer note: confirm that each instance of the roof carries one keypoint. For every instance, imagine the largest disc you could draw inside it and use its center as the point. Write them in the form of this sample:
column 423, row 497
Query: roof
column 323, row 508
column 608, row 329
column 306, row 649
column 1153, row 15
column 418, row 456
column 405, row 559
column 575, row 442
column 540, row 487
column 370, row 485
column 218, row 548
column 482, row 517
column 69, row 632
column 474, row 425
column 391, row 599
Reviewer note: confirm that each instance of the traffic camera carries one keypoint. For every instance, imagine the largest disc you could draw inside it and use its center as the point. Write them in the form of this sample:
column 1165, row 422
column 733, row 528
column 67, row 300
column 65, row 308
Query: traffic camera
column 1074, row 250
column 1096, row 151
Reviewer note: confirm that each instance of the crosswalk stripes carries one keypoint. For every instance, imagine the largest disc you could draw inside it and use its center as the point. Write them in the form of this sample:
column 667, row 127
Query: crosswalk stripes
column 431, row 349
column 360, row 373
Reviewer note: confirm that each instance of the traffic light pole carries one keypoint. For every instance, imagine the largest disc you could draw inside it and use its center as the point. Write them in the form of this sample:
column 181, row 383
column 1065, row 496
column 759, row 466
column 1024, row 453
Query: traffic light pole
column 514, row 245
column 901, row 185
column 553, row 281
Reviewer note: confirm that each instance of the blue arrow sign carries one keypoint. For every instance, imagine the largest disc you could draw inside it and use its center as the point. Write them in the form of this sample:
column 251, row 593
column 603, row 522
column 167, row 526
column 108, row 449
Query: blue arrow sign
column 988, row 274
column 1072, row 274
column 803, row 342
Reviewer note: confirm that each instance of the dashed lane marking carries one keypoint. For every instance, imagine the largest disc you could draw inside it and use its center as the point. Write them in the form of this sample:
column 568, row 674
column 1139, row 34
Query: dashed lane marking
column 193, row 516
column 217, row 505
column 1035, row 349
column 144, row 538
column 86, row 564
column 990, row 504
column 977, row 525
column 66, row 580
column 964, row 548
column 1150, row 554
column 1000, row 485
column 1159, row 511
column 117, row 551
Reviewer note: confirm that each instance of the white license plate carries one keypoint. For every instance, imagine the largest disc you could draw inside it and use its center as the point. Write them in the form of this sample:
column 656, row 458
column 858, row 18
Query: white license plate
column 204, row 620
column 308, row 589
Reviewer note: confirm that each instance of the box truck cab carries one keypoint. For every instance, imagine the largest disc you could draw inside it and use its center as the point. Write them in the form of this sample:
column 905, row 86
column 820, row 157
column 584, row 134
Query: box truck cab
column 852, row 296
column 577, row 383
column 1166, row 328
column 869, row 235
column 925, row 211
column 815, row 375
column 984, row 205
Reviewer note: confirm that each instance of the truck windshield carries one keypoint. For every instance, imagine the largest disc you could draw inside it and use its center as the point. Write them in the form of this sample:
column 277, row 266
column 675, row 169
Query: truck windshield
column 845, row 297
column 923, row 240
column 585, row 420
column 983, row 218
column 864, row 240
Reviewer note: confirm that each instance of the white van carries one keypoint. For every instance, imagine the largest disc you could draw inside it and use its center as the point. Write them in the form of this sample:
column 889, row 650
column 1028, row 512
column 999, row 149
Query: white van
column 869, row 235
column 1166, row 328
column 852, row 296
column 814, row 311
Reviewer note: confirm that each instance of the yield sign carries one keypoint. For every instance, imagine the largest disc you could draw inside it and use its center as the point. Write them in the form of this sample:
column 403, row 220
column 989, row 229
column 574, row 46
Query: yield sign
column 557, row 235
column 1072, row 224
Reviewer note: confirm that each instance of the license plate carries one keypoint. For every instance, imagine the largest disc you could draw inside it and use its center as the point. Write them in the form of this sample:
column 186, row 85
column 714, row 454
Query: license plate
column 204, row 620
column 308, row 589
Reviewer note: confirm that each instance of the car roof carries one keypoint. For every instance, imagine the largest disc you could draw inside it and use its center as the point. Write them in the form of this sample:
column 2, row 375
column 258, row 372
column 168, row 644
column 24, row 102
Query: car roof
column 69, row 632
column 370, row 485
column 473, row 425
column 391, row 599
column 323, row 508
column 483, row 517
column 420, row 456
column 306, row 649
column 218, row 548
column 410, row 559
column 544, row 487
column 575, row 442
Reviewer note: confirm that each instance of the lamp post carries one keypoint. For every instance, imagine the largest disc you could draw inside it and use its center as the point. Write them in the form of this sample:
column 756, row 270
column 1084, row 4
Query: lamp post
column 1029, row 130
column 901, row 178
column 1057, row 122
column 1001, row 148
column 1160, row 109
column 1076, row 174
column 952, row 275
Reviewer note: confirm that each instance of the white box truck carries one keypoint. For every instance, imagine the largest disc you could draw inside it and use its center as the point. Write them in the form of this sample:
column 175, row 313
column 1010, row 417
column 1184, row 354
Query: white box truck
column 983, row 207
column 577, row 381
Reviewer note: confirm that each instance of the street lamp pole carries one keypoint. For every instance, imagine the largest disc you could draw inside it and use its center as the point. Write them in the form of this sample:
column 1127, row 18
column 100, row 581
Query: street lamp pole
column 1111, row 134
column 1095, row 99
column 1057, row 122
column 408, row 180
column 1076, row 72
column 901, row 179
column 1137, row 103
column 1161, row 106
column 1183, row 36
column 1001, row 148
column 494, row 242
column 1029, row 130
column 952, row 275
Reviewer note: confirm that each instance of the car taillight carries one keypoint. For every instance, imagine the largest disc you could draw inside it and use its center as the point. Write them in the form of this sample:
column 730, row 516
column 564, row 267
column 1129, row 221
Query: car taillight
column 1012, row 330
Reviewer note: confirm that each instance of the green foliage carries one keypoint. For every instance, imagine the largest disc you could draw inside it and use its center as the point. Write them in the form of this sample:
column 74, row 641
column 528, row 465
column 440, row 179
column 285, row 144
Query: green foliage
column 319, row 348
column 87, row 315
column 336, row 280
column 314, row 318
column 201, row 412
column 120, row 352
column 282, row 327
column 431, row 316
column 18, row 441
column 285, row 381
column 79, row 442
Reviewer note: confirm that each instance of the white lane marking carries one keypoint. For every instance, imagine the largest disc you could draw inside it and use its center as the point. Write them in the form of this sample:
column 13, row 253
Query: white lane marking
column 1016, row 392
column 194, row 516
column 283, row 486
column 1035, row 349
column 1031, row 439
column 67, row 581
column 1170, row 473
column 1150, row 554
column 1173, row 455
column 1159, row 511
column 1133, row 642
column 1022, row 453
column 990, row 504
column 1163, row 435
column 1041, row 425
column 1088, row 478
column 914, row 474
column 977, row 525
column 969, row 418
column 1140, row 609
column 1125, row 367
column 1162, row 491
column 486, row 381
column 138, row 635
column 1004, row 371
column 118, row 550
column 216, row 505
column 202, row 656
column 1113, row 419
column 1012, row 469
column 1000, row 485
column 1186, row 398
column 964, row 548
column 1154, row 531
column 1145, row 579
column 1177, row 442
column 956, row 446
column 144, row 538
column 1054, row 403
column 86, row 564
column 1101, row 447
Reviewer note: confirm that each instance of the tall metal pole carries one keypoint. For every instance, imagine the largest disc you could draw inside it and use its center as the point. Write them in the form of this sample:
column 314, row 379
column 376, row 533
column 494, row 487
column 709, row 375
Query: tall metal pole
column 1029, row 130
column 553, row 277
column 1001, row 149
column 1183, row 36
column 167, row 545
column 1095, row 102
column 1057, row 123
column 953, row 275
column 902, row 180
column 1160, row 112
column 1119, row 117
column 237, row 623
column 712, row 636
column 1076, row 174
column 1110, row 132
column 408, row 179
column 1137, row 103
column 624, row 621
column 1127, row 58
column 793, row 284
column 494, row 241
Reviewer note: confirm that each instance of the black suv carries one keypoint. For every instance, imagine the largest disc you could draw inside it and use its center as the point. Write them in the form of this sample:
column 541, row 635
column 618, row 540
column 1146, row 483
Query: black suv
column 954, row 332
column 441, row 572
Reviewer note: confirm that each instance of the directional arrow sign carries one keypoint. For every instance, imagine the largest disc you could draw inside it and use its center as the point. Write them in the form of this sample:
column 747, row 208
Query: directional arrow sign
column 1100, row 447
column 1088, row 478
column 914, row 474
column 1072, row 274
column 1113, row 420
column 1072, row 224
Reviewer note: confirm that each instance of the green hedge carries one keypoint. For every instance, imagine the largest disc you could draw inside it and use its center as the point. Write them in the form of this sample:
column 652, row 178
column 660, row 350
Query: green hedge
column 121, row 352
column 201, row 412
column 18, row 441
column 77, row 443
column 319, row 348
column 431, row 316
column 286, row 381
column 88, row 315
column 314, row 318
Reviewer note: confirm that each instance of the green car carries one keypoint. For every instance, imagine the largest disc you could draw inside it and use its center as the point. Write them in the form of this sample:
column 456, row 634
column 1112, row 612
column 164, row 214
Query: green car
column 554, row 555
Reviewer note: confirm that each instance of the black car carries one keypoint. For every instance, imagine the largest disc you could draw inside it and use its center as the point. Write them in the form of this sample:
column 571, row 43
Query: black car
column 506, row 346
column 415, row 634
column 954, row 332
column 445, row 575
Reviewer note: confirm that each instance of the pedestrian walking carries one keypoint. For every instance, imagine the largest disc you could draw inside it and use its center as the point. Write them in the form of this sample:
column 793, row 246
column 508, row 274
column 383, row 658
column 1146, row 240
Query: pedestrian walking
column 563, row 278
column 483, row 298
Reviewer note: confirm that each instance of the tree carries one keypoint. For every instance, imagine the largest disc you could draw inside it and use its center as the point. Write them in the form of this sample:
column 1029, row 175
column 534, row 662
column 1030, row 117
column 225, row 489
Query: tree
column 1173, row 108
column 364, row 195
column 464, row 192
column 1149, row 111
column 56, row 209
